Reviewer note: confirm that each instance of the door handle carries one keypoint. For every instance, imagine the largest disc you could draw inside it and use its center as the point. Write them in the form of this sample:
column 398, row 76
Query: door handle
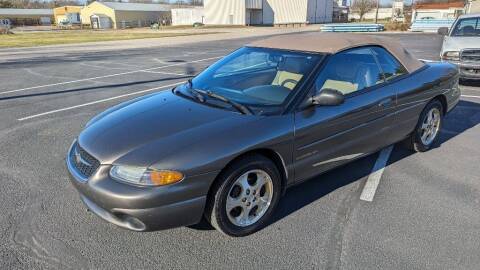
column 386, row 103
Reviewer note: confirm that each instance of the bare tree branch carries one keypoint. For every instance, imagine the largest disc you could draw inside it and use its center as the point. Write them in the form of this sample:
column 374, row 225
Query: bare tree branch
column 363, row 6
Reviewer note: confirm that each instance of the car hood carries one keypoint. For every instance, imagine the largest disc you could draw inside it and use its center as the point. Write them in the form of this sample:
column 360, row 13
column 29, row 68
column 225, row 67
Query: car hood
column 459, row 43
column 145, row 130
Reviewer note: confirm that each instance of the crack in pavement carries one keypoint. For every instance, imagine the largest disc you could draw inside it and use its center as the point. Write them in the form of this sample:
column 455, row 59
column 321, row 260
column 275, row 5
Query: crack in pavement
column 337, row 234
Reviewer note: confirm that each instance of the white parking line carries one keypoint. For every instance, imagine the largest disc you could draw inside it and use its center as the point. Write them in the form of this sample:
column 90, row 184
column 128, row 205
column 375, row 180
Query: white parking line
column 469, row 96
column 111, row 75
column 166, row 73
column 374, row 178
column 104, row 67
column 98, row 101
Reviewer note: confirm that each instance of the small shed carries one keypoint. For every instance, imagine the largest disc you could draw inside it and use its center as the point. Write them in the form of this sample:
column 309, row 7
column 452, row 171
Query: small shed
column 123, row 15
column 67, row 14
column 188, row 16
column 100, row 21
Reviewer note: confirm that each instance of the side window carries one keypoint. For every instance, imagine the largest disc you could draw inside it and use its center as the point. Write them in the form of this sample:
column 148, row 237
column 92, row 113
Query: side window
column 350, row 71
column 467, row 27
column 390, row 66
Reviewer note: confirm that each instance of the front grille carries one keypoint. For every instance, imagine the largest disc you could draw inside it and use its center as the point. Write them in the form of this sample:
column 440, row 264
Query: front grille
column 470, row 56
column 85, row 164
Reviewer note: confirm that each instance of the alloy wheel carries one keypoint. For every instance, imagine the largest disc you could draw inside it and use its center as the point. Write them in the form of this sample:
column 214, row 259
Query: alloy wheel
column 430, row 126
column 249, row 198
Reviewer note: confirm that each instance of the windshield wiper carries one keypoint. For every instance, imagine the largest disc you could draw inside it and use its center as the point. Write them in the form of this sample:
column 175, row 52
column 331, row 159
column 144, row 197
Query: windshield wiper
column 194, row 92
column 240, row 107
column 199, row 94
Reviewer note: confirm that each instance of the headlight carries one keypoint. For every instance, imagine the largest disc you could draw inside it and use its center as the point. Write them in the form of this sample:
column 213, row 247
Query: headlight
column 144, row 176
column 451, row 56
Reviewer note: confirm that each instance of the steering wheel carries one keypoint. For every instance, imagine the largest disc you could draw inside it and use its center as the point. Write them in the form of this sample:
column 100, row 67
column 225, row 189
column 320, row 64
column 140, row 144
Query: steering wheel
column 289, row 81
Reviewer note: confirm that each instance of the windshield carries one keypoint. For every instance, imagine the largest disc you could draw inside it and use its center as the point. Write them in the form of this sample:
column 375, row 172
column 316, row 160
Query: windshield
column 467, row 27
column 256, row 77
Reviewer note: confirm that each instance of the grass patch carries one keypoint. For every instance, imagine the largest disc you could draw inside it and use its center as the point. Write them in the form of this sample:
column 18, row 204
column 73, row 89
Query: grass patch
column 68, row 37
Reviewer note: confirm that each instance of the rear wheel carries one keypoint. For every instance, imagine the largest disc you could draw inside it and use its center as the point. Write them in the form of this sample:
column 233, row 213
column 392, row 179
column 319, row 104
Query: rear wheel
column 245, row 196
column 428, row 127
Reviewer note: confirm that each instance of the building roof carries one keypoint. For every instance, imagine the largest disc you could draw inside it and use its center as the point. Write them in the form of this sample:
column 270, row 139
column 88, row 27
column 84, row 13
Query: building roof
column 26, row 11
column 439, row 5
column 136, row 6
column 332, row 43
column 189, row 8
column 67, row 9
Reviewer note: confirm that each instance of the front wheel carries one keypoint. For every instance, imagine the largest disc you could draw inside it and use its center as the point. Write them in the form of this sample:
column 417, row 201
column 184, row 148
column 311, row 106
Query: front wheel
column 245, row 196
column 428, row 127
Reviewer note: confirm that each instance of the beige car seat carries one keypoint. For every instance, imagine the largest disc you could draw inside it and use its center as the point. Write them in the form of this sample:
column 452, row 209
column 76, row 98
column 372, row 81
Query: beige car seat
column 290, row 72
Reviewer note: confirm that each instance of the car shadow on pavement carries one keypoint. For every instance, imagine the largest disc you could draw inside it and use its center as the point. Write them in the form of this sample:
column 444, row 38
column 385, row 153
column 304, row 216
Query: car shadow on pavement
column 90, row 88
column 464, row 117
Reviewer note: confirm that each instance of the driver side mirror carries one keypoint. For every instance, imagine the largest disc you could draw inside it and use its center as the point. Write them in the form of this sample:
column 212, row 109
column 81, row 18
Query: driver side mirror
column 328, row 97
column 442, row 31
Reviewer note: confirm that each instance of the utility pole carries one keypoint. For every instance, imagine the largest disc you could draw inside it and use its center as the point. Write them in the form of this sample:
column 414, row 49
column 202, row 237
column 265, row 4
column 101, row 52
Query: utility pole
column 376, row 12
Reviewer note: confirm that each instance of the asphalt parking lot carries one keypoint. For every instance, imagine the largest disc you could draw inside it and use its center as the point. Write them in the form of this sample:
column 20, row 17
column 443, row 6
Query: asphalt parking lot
column 425, row 213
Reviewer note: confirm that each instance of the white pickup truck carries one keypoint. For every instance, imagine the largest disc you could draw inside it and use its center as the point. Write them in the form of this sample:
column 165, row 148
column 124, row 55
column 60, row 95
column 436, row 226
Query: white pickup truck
column 461, row 45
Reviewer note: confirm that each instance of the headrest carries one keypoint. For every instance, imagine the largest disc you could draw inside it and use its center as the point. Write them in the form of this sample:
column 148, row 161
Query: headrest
column 293, row 64
column 468, row 29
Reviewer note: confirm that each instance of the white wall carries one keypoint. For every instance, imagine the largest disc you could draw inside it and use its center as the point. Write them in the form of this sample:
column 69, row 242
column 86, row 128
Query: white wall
column 285, row 11
column 474, row 7
column 435, row 13
column 187, row 16
column 383, row 13
column 225, row 12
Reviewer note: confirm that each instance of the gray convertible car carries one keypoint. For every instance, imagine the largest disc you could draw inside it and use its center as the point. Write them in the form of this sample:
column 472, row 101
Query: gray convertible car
column 228, row 143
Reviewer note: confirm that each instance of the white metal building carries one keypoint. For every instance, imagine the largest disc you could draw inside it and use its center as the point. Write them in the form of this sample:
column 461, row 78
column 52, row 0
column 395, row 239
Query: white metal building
column 254, row 12
column 188, row 16
column 473, row 6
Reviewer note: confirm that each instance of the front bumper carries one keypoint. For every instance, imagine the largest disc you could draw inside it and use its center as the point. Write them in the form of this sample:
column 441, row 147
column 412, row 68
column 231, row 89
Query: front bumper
column 468, row 71
column 143, row 208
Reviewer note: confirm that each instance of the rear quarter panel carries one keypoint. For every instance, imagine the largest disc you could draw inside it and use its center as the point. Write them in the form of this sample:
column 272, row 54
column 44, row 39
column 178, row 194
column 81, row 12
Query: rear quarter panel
column 417, row 90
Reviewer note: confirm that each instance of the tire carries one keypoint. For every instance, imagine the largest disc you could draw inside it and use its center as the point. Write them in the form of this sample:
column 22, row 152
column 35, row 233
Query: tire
column 417, row 142
column 249, row 182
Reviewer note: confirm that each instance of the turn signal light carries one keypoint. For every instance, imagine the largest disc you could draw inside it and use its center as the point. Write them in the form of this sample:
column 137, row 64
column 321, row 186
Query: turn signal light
column 161, row 178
